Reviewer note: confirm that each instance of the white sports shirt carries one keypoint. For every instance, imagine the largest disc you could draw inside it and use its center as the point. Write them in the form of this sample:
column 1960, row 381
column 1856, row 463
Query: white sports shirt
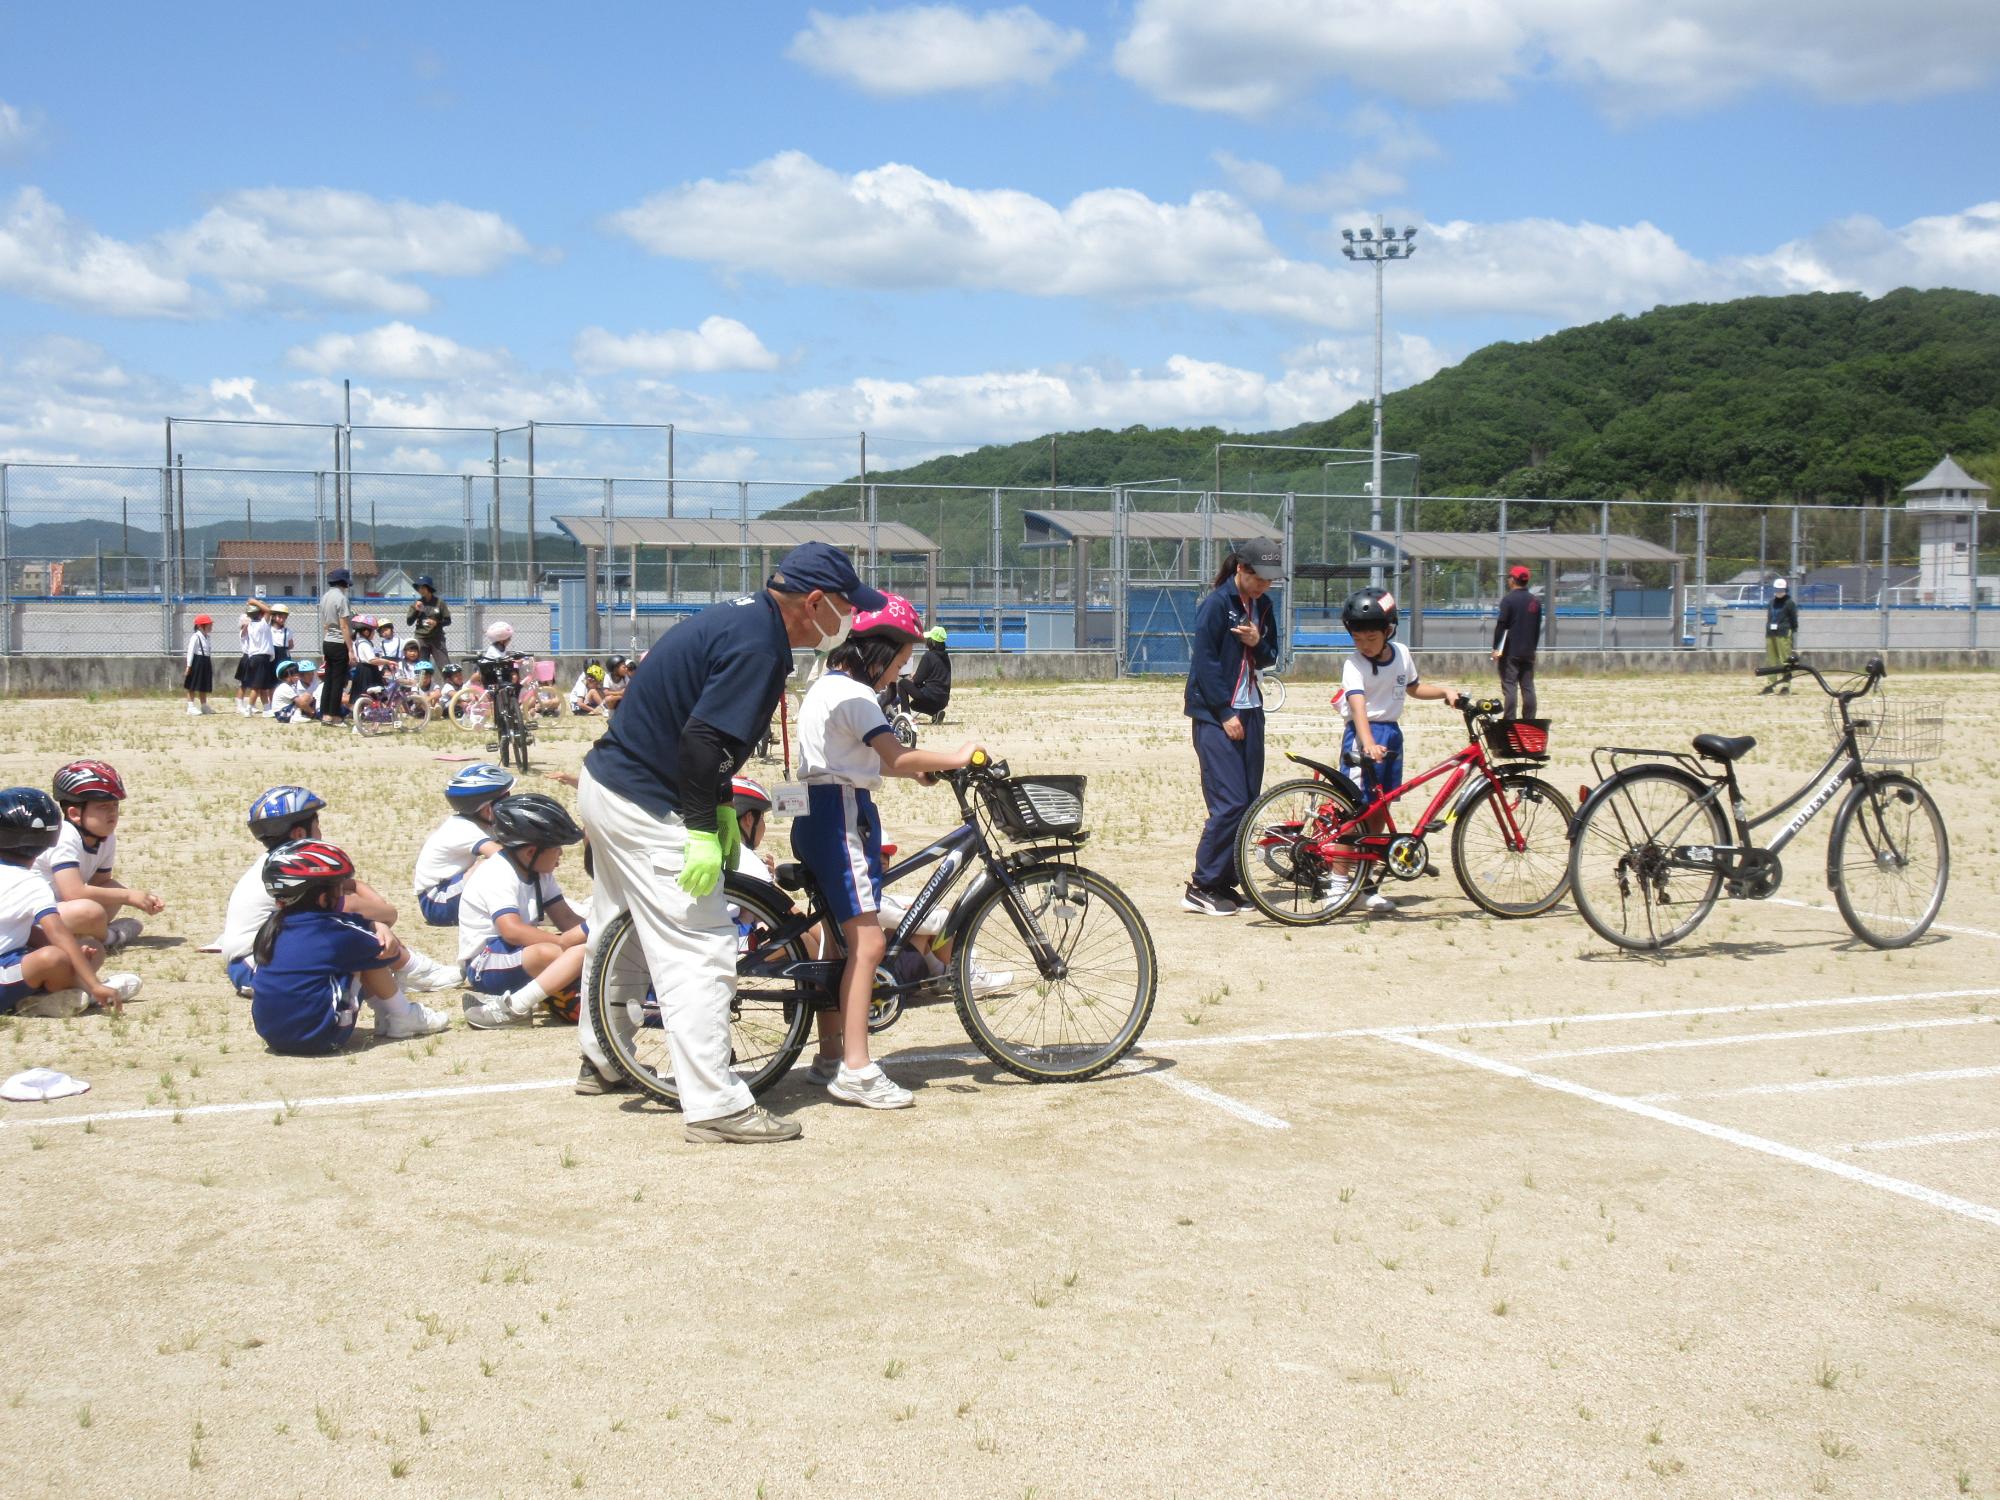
column 25, row 898
column 1383, row 684
column 70, row 849
column 495, row 886
column 838, row 719
column 450, row 851
column 249, row 904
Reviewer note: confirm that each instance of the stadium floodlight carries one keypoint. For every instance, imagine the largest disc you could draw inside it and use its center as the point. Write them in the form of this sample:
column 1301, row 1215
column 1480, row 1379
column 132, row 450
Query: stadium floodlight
column 1387, row 248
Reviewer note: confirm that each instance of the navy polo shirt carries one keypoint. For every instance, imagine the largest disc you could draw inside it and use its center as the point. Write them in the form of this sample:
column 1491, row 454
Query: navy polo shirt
column 726, row 667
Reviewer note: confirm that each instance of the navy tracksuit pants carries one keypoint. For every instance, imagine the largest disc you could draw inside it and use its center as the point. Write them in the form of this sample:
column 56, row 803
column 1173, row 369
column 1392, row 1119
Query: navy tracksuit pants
column 1232, row 774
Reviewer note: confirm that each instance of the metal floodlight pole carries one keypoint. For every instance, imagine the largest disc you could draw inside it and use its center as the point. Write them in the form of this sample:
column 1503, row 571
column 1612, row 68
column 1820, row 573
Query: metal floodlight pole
column 1377, row 246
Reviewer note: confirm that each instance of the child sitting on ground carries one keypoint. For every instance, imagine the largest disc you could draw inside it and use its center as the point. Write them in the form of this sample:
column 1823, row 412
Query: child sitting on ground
column 513, row 962
column 460, row 841
column 845, row 748
column 587, row 695
column 1378, row 675
column 316, row 963
column 44, row 970
column 292, row 700
column 279, row 816
column 78, row 867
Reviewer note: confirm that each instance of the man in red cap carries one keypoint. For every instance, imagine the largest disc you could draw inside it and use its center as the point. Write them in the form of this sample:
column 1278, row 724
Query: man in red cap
column 1516, row 634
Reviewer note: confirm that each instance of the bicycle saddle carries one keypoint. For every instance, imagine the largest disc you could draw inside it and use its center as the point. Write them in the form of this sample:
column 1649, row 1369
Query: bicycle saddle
column 1724, row 746
column 791, row 876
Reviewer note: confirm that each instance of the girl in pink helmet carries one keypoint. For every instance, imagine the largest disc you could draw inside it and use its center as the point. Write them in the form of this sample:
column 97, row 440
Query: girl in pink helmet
column 845, row 748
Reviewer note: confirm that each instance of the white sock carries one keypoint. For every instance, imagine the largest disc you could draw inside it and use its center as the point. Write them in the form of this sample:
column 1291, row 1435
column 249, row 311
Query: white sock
column 527, row 997
column 397, row 1005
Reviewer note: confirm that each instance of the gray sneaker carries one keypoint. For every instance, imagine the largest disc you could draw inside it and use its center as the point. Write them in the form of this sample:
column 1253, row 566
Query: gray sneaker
column 823, row 1070
column 121, row 931
column 752, row 1126
column 489, row 1012
column 590, row 1081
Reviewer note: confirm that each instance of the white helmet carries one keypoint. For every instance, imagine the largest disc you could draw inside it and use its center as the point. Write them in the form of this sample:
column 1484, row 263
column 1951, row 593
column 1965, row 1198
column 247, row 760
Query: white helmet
column 499, row 631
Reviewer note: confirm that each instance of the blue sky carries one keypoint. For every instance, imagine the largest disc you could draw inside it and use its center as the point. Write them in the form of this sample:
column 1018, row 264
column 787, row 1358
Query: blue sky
column 943, row 224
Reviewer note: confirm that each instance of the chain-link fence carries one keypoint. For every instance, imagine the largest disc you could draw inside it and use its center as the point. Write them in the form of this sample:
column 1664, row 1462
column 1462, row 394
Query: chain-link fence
column 102, row 559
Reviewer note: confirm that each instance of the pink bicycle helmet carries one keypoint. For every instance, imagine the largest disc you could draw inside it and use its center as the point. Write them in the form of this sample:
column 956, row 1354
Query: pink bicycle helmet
column 897, row 619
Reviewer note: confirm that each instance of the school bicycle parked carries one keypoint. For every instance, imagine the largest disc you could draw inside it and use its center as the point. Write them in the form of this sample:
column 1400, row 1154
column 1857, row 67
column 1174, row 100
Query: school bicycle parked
column 389, row 708
column 1307, row 850
column 1052, row 967
column 1658, row 842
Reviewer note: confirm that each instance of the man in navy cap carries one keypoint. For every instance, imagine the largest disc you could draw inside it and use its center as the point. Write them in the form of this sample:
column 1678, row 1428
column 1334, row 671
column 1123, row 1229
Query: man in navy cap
column 335, row 612
column 654, row 796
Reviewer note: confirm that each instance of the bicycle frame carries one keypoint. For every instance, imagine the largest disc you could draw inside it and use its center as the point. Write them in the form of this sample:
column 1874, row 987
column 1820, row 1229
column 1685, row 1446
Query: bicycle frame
column 1458, row 769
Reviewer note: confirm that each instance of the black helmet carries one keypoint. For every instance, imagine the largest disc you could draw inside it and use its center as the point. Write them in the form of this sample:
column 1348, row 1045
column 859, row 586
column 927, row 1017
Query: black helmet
column 615, row 662
column 29, row 820
column 1369, row 609
column 534, row 820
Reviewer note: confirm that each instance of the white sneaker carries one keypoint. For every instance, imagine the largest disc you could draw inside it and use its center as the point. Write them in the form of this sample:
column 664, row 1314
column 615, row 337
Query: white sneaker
column 207, row 708
column 1377, row 902
column 418, row 1020
column 244, row 710
column 489, row 1013
column 194, row 710
column 121, row 931
column 990, row 981
column 427, row 976
column 824, row 1070
column 871, row 1088
column 127, row 985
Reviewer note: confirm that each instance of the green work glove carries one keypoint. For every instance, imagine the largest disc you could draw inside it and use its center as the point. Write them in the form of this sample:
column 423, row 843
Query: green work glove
column 729, row 834
column 701, row 869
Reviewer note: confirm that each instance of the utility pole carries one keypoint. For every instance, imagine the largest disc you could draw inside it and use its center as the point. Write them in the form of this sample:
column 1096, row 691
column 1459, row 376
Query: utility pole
column 1378, row 246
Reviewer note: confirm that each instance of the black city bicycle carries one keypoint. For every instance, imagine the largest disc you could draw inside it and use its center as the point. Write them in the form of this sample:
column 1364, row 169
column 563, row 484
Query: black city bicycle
column 1652, row 848
column 1052, row 967
column 502, row 680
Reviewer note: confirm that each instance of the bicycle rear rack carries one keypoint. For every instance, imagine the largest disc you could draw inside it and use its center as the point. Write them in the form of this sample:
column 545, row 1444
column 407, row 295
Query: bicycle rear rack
column 1611, row 753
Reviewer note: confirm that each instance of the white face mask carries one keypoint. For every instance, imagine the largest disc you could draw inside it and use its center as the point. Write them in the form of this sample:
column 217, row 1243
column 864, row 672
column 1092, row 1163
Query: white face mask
column 828, row 642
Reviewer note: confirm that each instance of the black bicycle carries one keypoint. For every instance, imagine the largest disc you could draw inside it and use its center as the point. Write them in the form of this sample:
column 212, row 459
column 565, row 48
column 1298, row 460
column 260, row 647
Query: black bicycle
column 502, row 679
column 1651, row 847
column 1052, row 967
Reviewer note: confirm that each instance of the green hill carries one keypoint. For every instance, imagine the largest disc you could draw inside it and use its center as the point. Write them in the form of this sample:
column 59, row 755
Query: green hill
column 1830, row 397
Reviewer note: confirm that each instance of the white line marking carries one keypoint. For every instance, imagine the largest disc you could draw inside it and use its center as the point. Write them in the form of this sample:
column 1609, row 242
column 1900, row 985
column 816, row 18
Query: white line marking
column 1943, row 1138
column 330, row 1101
column 1978, row 932
column 1222, row 1102
column 1921, row 1194
column 1691, row 1010
column 1759, row 1036
column 1820, row 1085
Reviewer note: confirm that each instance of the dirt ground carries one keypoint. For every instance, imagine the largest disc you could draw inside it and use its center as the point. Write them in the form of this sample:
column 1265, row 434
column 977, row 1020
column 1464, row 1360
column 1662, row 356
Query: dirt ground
column 1374, row 1212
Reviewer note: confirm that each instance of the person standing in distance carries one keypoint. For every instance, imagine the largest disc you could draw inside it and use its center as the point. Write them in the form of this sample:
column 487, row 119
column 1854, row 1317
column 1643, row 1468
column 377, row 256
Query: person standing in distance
column 655, row 797
column 1781, row 633
column 428, row 618
column 336, row 636
column 1235, row 634
column 1516, row 634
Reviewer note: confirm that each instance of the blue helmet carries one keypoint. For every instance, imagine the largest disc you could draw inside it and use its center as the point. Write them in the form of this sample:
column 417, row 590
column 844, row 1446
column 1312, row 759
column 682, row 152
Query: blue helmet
column 274, row 815
column 475, row 786
column 29, row 820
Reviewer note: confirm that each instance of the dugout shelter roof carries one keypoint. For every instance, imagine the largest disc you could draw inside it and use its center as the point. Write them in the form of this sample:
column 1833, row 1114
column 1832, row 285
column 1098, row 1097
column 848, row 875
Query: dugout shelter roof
column 1544, row 546
column 1061, row 528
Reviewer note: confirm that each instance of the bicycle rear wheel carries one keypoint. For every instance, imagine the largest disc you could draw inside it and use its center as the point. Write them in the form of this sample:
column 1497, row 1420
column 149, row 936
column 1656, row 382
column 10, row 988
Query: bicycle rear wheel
column 416, row 712
column 1510, row 845
column 1620, row 859
column 372, row 716
column 1056, row 1030
column 1280, row 858
column 768, row 1020
column 1887, row 860
column 1272, row 688
column 472, row 709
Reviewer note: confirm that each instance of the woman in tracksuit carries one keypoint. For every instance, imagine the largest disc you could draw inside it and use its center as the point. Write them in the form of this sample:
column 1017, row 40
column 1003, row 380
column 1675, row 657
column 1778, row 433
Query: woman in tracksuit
column 1235, row 636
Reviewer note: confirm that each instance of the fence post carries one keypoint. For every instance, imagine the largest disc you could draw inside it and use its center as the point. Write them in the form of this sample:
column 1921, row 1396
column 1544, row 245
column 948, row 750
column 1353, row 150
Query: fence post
column 1501, row 582
column 167, row 570
column 319, row 536
column 7, row 575
column 1208, row 504
column 1290, row 569
column 532, row 584
column 1701, row 570
column 1972, row 626
column 874, row 535
column 467, row 567
column 1793, row 575
column 1882, row 598
column 1120, row 567
column 1603, row 570
column 997, row 571
column 1398, row 591
column 742, row 539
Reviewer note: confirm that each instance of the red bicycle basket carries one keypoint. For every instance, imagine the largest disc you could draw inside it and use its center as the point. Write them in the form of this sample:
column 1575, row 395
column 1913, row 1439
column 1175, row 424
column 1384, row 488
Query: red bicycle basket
column 1519, row 737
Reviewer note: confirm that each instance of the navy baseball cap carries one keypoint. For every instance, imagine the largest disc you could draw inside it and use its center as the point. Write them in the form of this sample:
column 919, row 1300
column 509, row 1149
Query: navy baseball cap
column 339, row 575
column 816, row 565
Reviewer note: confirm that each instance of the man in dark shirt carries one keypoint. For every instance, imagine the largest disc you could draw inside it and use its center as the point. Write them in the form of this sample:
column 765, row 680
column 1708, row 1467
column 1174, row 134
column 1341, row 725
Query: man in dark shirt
column 427, row 620
column 1516, row 634
column 655, row 798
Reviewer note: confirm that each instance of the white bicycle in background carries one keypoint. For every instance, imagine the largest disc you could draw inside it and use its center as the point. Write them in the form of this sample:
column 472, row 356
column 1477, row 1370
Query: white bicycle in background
column 1272, row 687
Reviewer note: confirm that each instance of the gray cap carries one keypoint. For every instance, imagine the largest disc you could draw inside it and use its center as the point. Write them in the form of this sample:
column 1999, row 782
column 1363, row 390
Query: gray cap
column 1264, row 556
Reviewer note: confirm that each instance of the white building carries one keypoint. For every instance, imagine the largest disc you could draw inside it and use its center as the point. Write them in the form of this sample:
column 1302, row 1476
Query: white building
column 1950, row 503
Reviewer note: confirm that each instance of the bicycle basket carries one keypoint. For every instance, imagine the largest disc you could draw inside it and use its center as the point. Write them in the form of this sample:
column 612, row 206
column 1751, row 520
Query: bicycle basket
column 1518, row 737
column 1893, row 731
column 1031, row 807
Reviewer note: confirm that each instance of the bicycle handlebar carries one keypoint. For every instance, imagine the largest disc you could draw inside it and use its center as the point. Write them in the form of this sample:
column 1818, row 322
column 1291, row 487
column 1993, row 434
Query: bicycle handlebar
column 1873, row 672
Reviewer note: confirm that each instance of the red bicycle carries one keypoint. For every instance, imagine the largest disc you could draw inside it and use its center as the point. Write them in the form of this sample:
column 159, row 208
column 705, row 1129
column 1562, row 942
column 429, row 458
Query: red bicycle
column 1309, row 848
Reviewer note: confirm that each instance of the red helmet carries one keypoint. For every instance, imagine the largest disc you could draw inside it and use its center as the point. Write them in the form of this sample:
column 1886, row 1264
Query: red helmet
column 89, row 781
column 897, row 619
column 293, row 870
column 748, row 796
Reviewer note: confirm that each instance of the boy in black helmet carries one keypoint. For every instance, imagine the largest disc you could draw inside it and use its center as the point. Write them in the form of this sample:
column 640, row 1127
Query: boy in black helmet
column 513, row 961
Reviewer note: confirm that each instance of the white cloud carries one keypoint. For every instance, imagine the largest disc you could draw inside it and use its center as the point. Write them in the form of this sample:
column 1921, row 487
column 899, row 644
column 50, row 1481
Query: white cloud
column 395, row 350
column 46, row 255
column 1374, row 175
column 16, row 129
column 896, row 227
column 322, row 245
column 927, row 49
column 1250, row 57
column 719, row 344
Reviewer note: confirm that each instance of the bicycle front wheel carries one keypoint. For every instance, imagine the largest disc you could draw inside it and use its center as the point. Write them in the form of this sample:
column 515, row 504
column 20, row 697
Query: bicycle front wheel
column 1510, row 845
column 416, row 712
column 1622, row 874
column 1887, row 860
column 372, row 716
column 768, row 1019
column 471, row 710
column 1271, row 688
column 1056, row 1030
column 1281, row 859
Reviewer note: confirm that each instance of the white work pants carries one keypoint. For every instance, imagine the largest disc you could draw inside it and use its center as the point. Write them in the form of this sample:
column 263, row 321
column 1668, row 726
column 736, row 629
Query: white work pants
column 689, row 943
